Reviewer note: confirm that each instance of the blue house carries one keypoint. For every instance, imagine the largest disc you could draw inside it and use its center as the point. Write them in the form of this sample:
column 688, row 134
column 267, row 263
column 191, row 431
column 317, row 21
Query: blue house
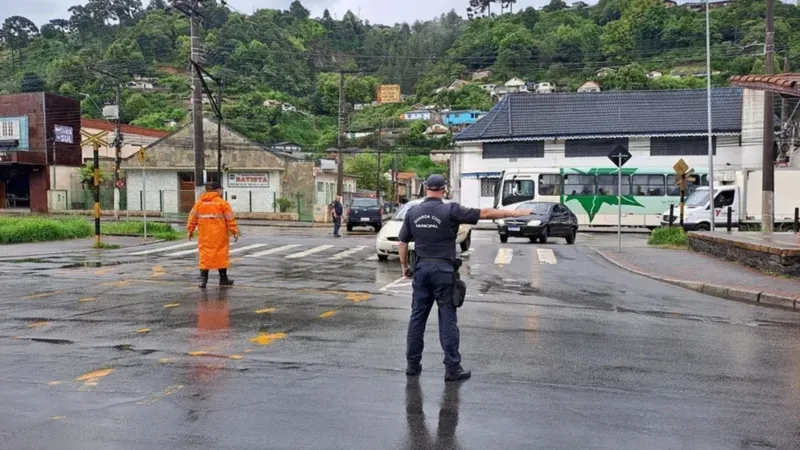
column 456, row 118
column 417, row 115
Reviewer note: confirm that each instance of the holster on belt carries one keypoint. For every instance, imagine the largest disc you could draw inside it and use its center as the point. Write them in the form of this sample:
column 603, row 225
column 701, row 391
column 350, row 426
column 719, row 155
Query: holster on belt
column 459, row 287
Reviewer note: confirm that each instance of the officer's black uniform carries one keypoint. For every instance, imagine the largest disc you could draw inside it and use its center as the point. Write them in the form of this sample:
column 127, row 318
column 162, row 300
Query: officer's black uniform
column 433, row 226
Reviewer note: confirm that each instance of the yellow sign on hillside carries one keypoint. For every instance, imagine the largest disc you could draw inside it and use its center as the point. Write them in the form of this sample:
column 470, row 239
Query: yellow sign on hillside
column 389, row 93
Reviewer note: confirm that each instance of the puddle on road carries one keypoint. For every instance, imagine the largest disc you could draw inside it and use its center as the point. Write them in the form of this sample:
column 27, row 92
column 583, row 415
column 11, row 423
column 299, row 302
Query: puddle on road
column 59, row 264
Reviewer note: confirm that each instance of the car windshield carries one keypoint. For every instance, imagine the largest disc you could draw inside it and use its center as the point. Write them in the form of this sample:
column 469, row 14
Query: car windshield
column 698, row 198
column 537, row 208
column 364, row 202
column 402, row 213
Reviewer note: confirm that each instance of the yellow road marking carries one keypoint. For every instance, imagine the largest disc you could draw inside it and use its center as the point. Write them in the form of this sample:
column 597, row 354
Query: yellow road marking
column 165, row 360
column 327, row 314
column 172, row 305
column 267, row 338
column 38, row 324
column 198, row 353
column 88, row 299
column 358, row 297
column 143, row 330
column 53, row 383
column 249, row 350
column 158, row 271
column 92, row 378
column 59, row 417
column 265, row 311
column 119, row 284
column 166, row 393
column 236, row 357
column 43, row 295
column 103, row 271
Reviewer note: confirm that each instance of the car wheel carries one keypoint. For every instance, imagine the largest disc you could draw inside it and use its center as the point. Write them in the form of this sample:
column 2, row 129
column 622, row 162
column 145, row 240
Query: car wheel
column 349, row 228
column 544, row 235
column 383, row 257
column 571, row 236
column 467, row 242
column 503, row 238
column 703, row 227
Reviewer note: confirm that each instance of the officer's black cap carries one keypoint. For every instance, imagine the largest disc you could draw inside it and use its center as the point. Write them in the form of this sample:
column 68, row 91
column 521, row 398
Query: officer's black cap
column 435, row 182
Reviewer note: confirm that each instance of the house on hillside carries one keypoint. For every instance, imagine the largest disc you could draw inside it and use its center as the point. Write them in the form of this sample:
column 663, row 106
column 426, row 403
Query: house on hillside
column 423, row 114
column 436, row 130
column 326, row 179
column 604, row 72
column 253, row 177
column 589, row 86
column 455, row 85
column 459, row 118
column 481, row 75
column 575, row 130
column 654, row 74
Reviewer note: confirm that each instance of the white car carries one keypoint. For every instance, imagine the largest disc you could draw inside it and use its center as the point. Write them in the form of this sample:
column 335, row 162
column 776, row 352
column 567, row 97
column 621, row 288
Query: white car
column 388, row 242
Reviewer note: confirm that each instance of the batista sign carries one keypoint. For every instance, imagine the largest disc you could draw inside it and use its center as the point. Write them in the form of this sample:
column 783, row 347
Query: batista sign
column 248, row 180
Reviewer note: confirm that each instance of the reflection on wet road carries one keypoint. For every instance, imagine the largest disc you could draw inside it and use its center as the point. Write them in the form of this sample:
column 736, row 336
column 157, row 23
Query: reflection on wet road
column 119, row 349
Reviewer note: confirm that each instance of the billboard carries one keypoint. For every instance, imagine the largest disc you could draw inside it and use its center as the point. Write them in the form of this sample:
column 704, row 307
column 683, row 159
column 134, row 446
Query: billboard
column 248, row 180
column 389, row 93
column 15, row 129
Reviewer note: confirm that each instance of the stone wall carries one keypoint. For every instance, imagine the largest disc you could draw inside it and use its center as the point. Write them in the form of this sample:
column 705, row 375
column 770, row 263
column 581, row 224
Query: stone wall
column 766, row 259
column 298, row 178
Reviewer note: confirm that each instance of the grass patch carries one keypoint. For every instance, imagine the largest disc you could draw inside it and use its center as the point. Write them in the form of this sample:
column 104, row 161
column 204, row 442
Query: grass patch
column 157, row 230
column 672, row 237
column 21, row 230
column 104, row 246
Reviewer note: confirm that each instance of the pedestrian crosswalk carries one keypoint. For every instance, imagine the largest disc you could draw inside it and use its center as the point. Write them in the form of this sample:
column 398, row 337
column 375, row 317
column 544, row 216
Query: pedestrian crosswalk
column 502, row 257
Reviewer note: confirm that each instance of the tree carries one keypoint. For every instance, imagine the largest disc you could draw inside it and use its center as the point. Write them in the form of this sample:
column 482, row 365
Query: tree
column 31, row 82
column 554, row 5
column 125, row 56
column 17, row 34
column 364, row 167
column 297, row 10
column 55, row 29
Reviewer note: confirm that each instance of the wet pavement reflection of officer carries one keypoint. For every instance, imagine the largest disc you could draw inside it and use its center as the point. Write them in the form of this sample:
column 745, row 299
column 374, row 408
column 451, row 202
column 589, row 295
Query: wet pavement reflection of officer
column 433, row 226
column 418, row 435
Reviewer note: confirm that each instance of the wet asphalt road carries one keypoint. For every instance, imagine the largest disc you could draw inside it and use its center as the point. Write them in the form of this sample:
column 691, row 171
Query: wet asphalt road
column 114, row 350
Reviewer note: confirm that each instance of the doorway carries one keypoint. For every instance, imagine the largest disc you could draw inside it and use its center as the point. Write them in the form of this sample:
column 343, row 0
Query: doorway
column 186, row 192
column 16, row 187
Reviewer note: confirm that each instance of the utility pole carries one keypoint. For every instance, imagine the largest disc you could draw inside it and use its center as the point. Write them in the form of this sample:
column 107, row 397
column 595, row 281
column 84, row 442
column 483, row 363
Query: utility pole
column 340, row 159
column 768, row 167
column 118, row 155
column 378, row 184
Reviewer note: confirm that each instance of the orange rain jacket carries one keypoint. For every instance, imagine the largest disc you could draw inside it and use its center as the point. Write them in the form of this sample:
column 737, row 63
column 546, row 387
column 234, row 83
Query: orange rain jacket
column 215, row 218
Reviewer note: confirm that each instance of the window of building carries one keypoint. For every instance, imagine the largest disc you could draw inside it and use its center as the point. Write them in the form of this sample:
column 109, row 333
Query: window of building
column 648, row 185
column 488, row 186
column 609, row 185
column 583, row 148
column 681, row 146
column 549, row 184
column 212, row 177
column 579, row 184
column 320, row 186
column 513, row 150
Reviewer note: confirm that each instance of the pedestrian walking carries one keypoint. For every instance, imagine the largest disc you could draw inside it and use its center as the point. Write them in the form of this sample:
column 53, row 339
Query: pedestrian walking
column 433, row 226
column 214, row 216
column 337, row 210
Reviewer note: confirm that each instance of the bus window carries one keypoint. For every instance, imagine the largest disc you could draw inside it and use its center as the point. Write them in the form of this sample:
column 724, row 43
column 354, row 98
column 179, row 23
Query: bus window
column 648, row 185
column 609, row 185
column 579, row 184
column 674, row 190
column 549, row 184
column 515, row 191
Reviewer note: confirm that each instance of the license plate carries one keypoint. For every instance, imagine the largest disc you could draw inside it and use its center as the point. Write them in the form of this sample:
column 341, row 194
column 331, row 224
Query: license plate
column 513, row 228
column 365, row 219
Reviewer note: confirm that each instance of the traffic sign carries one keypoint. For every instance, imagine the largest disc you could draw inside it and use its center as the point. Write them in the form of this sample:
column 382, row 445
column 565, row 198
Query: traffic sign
column 141, row 155
column 120, row 184
column 615, row 154
column 680, row 167
column 94, row 139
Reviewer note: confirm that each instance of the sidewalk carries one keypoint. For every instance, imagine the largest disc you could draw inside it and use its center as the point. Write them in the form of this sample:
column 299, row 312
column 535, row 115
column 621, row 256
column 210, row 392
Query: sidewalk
column 70, row 246
column 707, row 275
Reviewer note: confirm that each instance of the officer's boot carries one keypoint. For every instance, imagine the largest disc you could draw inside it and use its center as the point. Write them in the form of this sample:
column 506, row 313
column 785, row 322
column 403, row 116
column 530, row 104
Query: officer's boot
column 203, row 279
column 457, row 373
column 223, row 278
column 413, row 369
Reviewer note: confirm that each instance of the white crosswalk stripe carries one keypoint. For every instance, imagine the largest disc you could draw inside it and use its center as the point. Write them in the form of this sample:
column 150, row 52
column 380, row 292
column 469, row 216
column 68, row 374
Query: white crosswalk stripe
column 303, row 254
column 373, row 258
column 249, row 247
column 347, row 253
column 164, row 249
column 504, row 256
column 546, row 256
column 183, row 253
column 273, row 251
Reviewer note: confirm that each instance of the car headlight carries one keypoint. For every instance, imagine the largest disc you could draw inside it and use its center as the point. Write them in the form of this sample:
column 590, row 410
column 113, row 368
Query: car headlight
column 501, row 222
column 534, row 223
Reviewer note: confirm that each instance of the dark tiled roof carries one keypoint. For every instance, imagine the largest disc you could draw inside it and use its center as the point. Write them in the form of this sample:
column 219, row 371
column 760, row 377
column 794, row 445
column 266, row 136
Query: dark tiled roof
column 612, row 113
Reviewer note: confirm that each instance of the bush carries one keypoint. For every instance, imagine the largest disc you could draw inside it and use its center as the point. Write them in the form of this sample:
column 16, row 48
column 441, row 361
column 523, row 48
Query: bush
column 284, row 204
column 131, row 228
column 29, row 229
column 669, row 237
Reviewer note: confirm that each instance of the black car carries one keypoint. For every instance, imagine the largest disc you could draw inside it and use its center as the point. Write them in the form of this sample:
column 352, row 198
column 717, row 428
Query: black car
column 365, row 212
column 548, row 220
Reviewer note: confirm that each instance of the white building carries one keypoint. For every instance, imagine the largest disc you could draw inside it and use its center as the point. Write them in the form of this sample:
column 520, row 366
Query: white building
column 564, row 130
column 589, row 86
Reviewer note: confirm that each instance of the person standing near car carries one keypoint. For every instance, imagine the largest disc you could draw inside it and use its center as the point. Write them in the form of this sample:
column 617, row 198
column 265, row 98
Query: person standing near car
column 337, row 210
column 433, row 226
column 214, row 216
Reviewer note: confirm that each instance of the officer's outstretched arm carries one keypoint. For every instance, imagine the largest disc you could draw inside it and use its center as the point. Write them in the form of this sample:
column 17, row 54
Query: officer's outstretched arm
column 491, row 213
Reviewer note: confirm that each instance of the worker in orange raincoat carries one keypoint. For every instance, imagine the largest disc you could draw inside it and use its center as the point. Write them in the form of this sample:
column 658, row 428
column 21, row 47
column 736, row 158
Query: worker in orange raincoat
column 215, row 218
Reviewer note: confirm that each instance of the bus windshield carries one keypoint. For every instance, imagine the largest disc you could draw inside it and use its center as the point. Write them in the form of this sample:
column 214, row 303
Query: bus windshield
column 515, row 191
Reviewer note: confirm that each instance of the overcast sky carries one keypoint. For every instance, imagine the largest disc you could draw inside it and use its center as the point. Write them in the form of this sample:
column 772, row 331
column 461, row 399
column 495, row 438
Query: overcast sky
column 376, row 11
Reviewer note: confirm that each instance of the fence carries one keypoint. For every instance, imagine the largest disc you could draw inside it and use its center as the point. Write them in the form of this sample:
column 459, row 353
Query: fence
column 84, row 200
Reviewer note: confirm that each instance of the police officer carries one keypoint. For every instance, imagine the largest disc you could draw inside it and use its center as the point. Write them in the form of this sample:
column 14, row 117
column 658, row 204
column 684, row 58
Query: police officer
column 433, row 226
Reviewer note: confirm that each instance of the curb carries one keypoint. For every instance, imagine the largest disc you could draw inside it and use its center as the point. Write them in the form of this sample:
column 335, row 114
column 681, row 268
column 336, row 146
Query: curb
column 79, row 250
column 715, row 290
